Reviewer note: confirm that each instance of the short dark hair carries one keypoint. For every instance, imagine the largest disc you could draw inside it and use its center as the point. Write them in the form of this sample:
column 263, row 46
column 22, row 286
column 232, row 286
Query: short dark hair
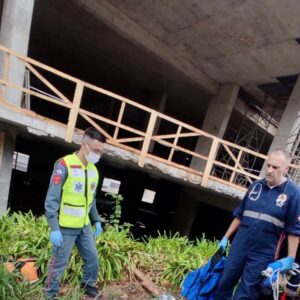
column 94, row 134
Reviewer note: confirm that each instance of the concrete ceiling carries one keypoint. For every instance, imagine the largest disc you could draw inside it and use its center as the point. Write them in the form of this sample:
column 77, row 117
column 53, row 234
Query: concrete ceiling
column 142, row 48
column 74, row 40
column 249, row 42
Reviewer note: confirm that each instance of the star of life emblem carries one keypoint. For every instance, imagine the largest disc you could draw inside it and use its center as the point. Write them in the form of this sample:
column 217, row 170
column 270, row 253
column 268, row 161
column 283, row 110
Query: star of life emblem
column 78, row 187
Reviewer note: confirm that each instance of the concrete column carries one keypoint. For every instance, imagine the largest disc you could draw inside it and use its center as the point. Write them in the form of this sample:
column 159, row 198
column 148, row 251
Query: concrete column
column 289, row 122
column 216, row 120
column 14, row 34
column 158, row 103
column 8, row 147
column 185, row 214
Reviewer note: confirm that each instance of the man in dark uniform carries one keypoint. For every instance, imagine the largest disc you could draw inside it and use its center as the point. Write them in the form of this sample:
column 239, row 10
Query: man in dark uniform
column 270, row 208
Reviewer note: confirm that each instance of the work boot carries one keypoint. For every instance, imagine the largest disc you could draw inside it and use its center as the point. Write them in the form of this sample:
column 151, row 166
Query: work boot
column 91, row 291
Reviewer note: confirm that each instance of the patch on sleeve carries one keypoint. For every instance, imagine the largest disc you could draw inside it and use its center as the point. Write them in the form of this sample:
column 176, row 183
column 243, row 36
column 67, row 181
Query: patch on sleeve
column 299, row 219
column 63, row 163
column 59, row 171
column 56, row 179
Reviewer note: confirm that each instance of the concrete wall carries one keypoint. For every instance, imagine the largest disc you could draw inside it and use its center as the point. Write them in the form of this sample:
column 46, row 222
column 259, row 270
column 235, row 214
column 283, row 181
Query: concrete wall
column 6, row 164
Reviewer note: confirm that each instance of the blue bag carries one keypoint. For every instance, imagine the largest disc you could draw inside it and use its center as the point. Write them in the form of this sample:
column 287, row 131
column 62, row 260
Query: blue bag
column 202, row 283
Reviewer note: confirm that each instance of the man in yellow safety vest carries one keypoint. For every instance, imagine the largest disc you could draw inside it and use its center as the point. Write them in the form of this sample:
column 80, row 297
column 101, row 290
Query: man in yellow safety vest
column 71, row 211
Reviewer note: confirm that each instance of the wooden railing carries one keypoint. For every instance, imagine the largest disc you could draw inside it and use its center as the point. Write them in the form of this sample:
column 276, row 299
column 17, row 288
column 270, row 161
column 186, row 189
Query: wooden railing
column 135, row 140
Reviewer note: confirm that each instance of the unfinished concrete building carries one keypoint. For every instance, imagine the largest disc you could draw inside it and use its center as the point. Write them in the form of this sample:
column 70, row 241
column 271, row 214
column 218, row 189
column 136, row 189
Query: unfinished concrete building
column 191, row 96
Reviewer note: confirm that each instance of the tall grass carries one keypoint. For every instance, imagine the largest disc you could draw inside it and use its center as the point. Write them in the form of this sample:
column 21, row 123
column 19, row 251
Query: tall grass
column 165, row 259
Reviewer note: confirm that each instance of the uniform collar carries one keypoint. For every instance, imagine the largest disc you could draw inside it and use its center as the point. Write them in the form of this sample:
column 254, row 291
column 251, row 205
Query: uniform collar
column 280, row 186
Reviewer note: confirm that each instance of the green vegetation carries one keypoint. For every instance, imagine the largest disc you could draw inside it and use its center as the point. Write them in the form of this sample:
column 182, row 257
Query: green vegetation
column 165, row 259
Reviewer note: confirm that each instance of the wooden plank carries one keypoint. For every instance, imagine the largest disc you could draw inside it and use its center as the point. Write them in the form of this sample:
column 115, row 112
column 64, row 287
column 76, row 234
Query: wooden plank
column 257, row 154
column 184, row 125
column 235, row 166
column 148, row 284
column 38, row 64
column 167, row 144
column 170, row 119
column 174, row 143
column 2, row 140
column 237, row 162
column 218, row 163
column 158, row 137
column 74, row 111
column 38, row 95
column 88, row 115
column 6, row 64
column 210, row 161
column 225, row 182
column 173, row 135
column 118, row 97
column 120, row 116
column 46, row 82
column 100, row 129
column 148, row 137
column 108, row 121
column 156, row 158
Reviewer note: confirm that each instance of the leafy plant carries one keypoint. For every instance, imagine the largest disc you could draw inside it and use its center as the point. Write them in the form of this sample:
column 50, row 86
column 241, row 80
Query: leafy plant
column 165, row 259
column 114, row 218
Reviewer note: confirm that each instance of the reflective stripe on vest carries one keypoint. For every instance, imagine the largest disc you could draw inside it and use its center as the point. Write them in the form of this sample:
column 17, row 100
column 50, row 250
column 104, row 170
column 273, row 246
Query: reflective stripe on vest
column 73, row 211
column 264, row 217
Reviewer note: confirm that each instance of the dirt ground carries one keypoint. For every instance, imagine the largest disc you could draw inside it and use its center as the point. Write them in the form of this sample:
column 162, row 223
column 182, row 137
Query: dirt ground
column 127, row 291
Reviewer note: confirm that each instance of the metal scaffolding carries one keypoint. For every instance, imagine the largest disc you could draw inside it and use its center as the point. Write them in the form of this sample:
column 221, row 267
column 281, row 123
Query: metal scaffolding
column 251, row 134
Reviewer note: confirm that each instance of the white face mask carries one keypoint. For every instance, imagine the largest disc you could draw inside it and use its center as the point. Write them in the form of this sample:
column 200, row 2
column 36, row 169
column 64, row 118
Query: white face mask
column 92, row 157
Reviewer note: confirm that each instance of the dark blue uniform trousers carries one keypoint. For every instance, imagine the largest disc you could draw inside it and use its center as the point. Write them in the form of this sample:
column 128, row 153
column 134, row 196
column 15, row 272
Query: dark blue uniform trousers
column 86, row 246
column 246, row 265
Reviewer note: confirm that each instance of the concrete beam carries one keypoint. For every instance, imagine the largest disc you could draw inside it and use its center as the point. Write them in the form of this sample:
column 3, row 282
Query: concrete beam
column 39, row 126
column 114, row 18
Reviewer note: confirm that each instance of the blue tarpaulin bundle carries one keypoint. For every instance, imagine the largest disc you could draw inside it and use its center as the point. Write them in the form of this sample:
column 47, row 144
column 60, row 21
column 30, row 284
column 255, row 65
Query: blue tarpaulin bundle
column 202, row 283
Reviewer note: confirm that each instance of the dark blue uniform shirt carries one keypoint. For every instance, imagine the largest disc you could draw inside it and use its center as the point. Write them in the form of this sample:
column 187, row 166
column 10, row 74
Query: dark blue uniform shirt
column 265, row 214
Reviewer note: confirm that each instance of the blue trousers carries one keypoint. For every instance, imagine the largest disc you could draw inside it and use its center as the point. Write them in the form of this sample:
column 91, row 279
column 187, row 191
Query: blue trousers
column 85, row 243
column 248, row 266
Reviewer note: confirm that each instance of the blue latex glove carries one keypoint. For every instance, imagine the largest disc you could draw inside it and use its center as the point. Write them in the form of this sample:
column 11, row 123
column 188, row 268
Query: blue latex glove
column 269, row 280
column 286, row 263
column 98, row 229
column 223, row 243
column 56, row 238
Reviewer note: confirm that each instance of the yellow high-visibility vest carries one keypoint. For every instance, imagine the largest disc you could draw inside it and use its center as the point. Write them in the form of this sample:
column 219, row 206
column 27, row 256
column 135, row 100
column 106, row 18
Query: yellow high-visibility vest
column 77, row 193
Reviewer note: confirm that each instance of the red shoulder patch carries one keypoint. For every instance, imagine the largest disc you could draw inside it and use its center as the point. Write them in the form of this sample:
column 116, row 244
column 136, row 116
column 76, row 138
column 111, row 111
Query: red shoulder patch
column 62, row 162
column 56, row 179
